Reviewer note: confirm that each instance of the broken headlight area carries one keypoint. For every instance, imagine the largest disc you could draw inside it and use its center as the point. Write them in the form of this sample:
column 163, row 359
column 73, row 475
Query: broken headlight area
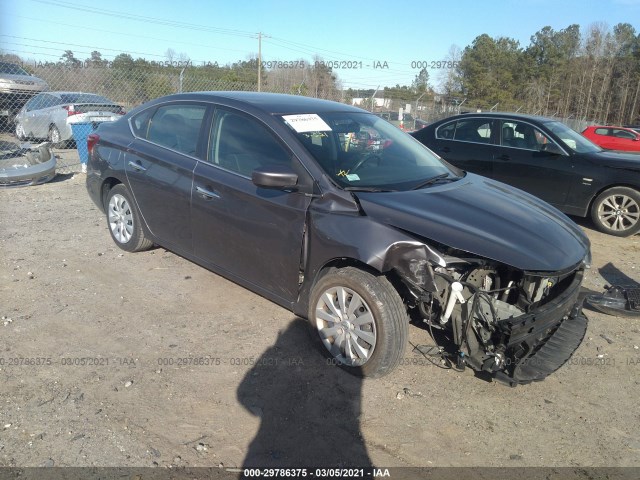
column 517, row 326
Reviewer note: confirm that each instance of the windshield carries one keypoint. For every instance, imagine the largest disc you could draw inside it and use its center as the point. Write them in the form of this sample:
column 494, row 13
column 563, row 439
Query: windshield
column 361, row 151
column 12, row 69
column 572, row 139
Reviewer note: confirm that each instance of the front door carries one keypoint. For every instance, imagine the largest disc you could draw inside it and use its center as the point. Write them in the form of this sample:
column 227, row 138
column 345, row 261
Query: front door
column 253, row 234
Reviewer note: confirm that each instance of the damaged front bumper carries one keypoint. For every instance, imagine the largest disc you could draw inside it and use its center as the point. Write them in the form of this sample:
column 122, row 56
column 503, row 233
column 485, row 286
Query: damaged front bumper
column 518, row 327
column 26, row 166
column 541, row 342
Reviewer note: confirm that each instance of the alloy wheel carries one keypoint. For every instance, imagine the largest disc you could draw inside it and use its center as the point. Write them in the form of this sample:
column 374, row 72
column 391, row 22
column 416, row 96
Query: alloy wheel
column 120, row 218
column 346, row 326
column 619, row 212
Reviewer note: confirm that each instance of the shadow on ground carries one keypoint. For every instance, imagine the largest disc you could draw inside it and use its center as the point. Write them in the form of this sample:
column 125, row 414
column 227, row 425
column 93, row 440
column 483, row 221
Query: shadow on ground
column 309, row 410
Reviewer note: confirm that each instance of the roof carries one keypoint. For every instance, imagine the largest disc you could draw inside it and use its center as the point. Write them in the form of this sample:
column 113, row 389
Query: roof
column 271, row 103
column 521, row 116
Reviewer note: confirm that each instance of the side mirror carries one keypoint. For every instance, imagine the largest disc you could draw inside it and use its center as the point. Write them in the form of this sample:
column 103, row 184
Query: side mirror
column 276, row 176
column 552, row 148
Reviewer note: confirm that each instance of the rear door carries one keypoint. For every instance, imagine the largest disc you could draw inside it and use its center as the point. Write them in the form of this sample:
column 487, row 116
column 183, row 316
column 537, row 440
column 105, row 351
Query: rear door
column 468, row 143
column 254, row 234
column 159, row 165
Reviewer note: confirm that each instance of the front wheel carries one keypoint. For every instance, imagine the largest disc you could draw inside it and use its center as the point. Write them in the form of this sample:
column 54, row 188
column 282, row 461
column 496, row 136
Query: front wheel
column 20, row 133
column 617, row 211
column 124, row 221
column 55, row 138
column 360, row 321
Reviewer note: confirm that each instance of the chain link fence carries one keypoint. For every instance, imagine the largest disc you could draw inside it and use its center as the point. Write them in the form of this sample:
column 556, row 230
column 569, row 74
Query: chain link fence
column 131, row 84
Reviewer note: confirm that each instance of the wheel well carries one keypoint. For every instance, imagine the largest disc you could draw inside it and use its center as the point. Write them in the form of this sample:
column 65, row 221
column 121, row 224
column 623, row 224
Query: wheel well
column 392, row 275
column 107, row 185
column 609, row 187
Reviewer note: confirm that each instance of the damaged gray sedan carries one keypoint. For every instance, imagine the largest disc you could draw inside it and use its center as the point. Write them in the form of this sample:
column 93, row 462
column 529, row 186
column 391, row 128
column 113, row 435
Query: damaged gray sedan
column 268, row 191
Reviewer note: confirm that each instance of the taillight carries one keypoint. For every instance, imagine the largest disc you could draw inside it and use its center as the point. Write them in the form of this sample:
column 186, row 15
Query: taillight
column 92, row 139
column 71, row 110
column 121, row 111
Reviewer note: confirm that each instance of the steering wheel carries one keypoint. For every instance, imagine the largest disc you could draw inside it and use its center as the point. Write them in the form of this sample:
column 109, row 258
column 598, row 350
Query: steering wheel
column 363, row 160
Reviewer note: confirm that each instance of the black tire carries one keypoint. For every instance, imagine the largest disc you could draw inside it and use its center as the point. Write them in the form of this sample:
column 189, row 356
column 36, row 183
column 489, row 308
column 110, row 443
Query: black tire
column 388, row 327
column 124, row 221
column 616, row 211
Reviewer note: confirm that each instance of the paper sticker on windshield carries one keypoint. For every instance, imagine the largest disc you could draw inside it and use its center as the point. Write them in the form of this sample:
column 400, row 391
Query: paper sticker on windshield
column 307, row 122
column 352, row 177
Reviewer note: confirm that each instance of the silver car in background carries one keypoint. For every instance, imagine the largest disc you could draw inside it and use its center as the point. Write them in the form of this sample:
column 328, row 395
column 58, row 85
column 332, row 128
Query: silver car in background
column 49, row 115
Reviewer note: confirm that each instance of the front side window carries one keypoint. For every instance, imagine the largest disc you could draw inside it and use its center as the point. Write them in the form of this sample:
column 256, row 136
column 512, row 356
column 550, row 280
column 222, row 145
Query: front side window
column 174, row 126
column 623, row 134
column 522, row 135
column 361, row 151
column 241, row 144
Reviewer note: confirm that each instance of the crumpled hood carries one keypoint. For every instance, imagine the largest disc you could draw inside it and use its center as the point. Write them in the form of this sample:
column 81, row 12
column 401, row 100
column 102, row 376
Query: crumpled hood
column 486, row 218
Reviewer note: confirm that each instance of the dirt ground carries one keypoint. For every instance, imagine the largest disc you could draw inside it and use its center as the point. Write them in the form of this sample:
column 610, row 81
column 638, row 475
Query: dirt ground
column 116, row 359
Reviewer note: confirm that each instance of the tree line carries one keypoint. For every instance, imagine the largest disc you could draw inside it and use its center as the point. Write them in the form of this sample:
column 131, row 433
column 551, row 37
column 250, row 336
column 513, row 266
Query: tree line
column 591, row 75
column 570, row 73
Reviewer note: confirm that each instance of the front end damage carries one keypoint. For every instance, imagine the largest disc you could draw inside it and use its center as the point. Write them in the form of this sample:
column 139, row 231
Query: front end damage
column 517, row 326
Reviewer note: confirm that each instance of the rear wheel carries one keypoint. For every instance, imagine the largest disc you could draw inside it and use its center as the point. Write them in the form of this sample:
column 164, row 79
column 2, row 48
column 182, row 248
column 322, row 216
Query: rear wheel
column 360, row 321
column 124, row 221
column 617, row 211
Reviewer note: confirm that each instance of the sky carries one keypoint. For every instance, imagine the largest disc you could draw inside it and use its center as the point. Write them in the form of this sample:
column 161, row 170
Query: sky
column 374, row 43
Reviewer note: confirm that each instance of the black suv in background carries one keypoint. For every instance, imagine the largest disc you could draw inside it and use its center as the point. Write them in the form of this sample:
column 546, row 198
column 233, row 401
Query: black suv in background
column 546, row 158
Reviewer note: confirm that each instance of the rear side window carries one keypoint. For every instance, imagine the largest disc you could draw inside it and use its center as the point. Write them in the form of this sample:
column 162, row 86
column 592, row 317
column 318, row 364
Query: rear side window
column 140, row 123
column 477, row 130
column 83, row 98
column 173, row 126
column 446, row 132
column 602, row 131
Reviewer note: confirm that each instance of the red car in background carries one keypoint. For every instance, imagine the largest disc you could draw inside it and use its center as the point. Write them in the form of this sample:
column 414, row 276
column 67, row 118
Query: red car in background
column 613, row 138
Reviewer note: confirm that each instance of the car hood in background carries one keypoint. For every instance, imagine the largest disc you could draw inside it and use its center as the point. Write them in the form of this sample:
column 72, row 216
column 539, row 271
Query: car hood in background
column 486, row 218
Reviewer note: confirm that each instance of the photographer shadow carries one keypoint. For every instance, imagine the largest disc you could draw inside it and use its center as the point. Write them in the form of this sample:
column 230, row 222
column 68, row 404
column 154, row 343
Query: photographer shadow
column 308, row 408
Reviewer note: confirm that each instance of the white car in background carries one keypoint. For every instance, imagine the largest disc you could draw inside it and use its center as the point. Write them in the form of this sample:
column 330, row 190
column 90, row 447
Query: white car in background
column 49, row 115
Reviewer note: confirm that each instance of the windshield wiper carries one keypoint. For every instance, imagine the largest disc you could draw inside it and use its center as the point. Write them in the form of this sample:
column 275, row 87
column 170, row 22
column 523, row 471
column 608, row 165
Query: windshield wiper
column 431, row 180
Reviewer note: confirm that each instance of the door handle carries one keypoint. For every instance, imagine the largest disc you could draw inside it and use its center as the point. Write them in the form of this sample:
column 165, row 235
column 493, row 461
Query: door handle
column 207, row 193
column 445, row 149
column 137, row 166
column 503, row 157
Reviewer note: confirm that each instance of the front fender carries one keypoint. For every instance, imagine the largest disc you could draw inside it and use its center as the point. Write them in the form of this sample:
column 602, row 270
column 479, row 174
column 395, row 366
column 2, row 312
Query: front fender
column 360, row 239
